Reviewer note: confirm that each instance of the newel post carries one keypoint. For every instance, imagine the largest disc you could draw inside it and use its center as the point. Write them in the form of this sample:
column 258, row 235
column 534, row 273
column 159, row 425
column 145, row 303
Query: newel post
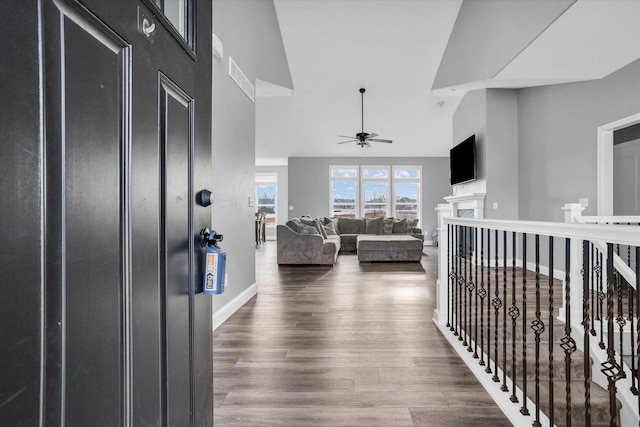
column 572, row 213
column 440, row 313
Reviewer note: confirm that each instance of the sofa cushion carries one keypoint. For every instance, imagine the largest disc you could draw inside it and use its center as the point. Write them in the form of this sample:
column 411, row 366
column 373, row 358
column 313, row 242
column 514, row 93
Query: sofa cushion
column 294, row 224
column 373, row 225
column 411, row 225
column 400, row 226
column 352, row 225
column 387, row 225
column 333, row 221
column 330, row 229
column 307, row 229
column 315, row 224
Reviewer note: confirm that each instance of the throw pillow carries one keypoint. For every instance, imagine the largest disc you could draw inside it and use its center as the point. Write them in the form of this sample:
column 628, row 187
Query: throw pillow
column 373, row 225
column 411, row 224
column 294, row 224
column 333, row 221
column 307, row 229
column 320, row 228
column 400, row 227
column 309, row 221
column 387, row 225
column 330, row 229
column 347, row 226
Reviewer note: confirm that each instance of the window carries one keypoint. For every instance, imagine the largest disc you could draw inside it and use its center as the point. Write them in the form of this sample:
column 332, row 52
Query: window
column 344, row 191
column 376, row 191
column 406, row 191
column 266, row 195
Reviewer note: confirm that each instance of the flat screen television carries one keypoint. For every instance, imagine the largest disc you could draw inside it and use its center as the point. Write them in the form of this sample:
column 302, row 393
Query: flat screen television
column 462, row 160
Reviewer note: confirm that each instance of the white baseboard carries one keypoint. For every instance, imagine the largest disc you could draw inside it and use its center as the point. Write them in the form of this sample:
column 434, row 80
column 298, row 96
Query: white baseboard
column 222, row 314
column 428, row 243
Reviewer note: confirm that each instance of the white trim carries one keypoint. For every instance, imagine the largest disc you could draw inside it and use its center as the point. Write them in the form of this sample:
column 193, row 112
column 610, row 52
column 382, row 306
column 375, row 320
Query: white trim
column 222, row 314
column 622, row 234
column 604, row 162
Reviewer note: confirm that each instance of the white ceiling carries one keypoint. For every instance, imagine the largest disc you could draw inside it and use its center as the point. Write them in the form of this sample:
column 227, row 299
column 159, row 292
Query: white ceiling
column 393, row 49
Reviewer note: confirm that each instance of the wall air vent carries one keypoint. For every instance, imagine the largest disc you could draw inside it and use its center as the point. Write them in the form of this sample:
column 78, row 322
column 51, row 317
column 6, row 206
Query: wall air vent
column 238, row 76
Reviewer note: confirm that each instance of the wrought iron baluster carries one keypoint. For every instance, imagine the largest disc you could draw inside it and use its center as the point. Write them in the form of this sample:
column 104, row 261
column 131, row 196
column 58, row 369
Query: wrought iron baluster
column 482, row 292
column 551, row 308
column 449, row 274
column 457, row 284
column 524, row 410
column 610, row 367
column 638, row 322
column 470, row 286
column 601, row 296
column 463, row 288
column 538, row 328
column 488, row 368
column 514, row 313
column 632, row 300
column 567, row 343
column 461, row 281
column 475, row 257
column 504, row 312
column 594, row 286
column 497, row 303
column 620, row 320
column 586, row 323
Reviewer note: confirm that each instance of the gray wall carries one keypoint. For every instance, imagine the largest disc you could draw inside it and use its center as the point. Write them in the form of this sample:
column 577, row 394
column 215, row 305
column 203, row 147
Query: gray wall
column 282, row 196
column 557, row 139
column 309, row 183
column 488, row 34
column 250, row 34
column 471, row 118
column 501, row 154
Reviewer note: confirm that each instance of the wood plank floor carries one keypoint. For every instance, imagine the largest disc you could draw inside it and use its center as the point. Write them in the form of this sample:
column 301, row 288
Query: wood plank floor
column 352, row 345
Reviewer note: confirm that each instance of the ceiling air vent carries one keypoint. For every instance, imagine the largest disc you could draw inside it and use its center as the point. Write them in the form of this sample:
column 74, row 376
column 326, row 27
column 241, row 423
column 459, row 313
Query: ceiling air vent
column 238, row 76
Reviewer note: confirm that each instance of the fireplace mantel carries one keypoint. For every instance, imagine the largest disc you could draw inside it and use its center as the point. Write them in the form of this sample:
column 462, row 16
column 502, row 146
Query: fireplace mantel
column 469, row 205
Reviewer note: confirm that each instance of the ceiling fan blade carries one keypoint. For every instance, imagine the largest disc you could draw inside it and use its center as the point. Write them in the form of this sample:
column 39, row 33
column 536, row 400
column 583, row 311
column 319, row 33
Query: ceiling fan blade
column 351, row 140
column 386, row 141
column 345, row 136
column 371, row 135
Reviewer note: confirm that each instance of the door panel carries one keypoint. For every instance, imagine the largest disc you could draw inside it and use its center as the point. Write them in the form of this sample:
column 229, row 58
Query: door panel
column 92, row 282
column 175, row 125
column 626, row 182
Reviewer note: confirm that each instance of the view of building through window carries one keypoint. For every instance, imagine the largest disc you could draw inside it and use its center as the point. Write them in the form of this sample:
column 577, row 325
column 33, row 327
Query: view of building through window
column 266, row 191
column 375, row 191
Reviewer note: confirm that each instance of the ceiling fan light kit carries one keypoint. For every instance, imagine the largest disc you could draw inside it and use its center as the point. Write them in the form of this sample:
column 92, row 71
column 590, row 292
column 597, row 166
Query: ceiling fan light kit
column 362, row 138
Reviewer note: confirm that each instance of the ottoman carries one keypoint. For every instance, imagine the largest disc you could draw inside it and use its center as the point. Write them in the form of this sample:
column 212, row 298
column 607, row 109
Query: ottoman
column 388, row 248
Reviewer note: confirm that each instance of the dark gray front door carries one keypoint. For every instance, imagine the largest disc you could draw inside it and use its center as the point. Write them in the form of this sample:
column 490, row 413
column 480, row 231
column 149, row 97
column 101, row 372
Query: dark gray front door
column 117, row 334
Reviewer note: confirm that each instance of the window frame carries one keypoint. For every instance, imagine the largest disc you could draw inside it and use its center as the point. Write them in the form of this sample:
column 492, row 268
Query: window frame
column 417, row 180
column 386, row 180
column 332, row 179
column 274, row 181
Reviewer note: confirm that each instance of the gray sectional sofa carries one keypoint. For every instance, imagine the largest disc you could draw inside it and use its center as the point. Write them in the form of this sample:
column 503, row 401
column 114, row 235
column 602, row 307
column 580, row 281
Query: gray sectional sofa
column 318, row 241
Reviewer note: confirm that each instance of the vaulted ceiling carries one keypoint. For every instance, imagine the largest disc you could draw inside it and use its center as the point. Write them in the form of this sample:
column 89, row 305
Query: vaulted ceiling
column 395, row 49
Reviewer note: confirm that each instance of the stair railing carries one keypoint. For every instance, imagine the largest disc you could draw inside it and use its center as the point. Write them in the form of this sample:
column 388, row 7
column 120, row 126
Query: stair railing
column 499, row 303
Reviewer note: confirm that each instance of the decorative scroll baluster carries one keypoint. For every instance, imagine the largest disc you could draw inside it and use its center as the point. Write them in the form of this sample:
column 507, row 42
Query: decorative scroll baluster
column 454, row 282
column 523, row 409
column 463, row 288
column 470, row 287
column 632, row 300
column 620, row 320
column 567, row 343
column 586, row 270
column 461, row 281
column 497, row 303
column 449, row 274
column 457, row 285
column 482, row 292
column 638, row 322
column 601, row 296
column 514, row 313
column 610, row 367
column 538, row 328
column 551, row 418
column 504, row 312
column 488, row 368
column 594, row 313
column 475, row 257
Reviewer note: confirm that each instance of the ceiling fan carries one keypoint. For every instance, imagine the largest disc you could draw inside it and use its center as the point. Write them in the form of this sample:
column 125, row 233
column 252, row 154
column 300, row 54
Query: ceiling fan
column 363, row 138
